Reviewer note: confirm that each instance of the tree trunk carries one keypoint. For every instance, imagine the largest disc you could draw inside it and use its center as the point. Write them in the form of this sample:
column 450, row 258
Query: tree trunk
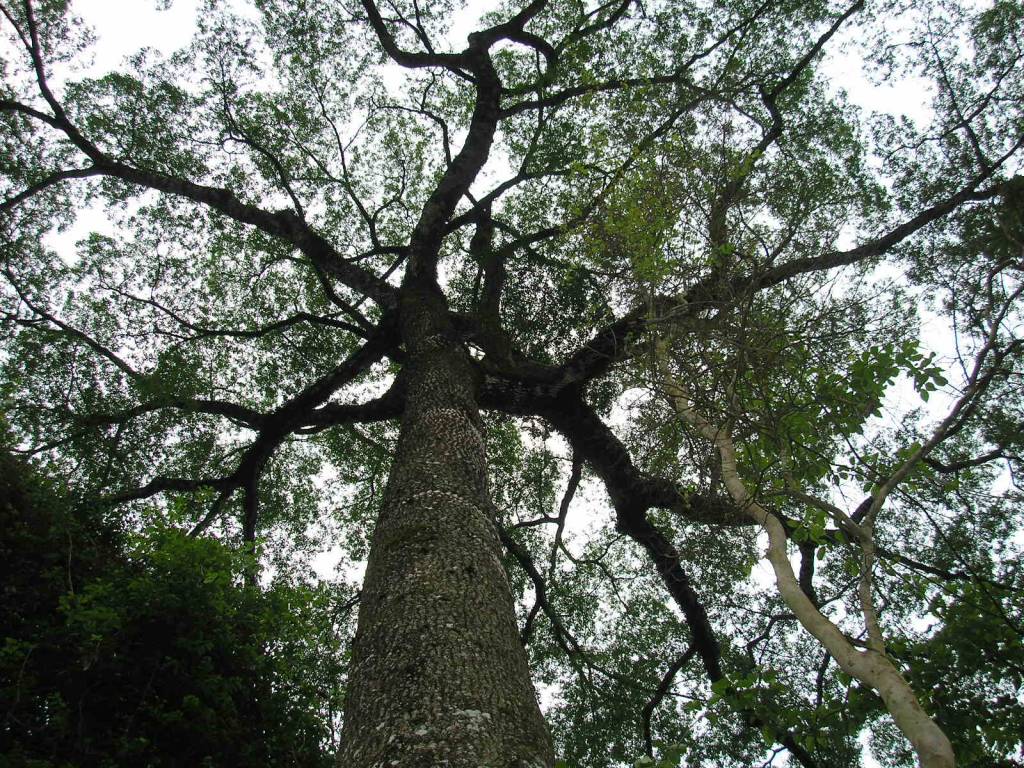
column 438, row 675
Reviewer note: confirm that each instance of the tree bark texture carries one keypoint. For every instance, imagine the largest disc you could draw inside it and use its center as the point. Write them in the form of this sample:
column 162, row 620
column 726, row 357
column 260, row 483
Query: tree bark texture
column 438, row 675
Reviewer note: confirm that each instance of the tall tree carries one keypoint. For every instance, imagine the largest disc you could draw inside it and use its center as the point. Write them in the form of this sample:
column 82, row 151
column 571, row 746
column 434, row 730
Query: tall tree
column 657, row 229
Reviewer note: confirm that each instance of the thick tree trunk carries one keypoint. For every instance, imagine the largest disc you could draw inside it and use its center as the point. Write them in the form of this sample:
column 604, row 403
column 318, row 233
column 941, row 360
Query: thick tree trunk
column 438, row 675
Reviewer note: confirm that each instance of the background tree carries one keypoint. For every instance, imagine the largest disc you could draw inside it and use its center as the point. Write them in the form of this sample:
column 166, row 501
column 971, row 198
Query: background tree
column 146, row 650
column 648, row 245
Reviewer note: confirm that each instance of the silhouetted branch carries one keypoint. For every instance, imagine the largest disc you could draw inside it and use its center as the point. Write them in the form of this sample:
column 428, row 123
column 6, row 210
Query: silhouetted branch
column 659, row 694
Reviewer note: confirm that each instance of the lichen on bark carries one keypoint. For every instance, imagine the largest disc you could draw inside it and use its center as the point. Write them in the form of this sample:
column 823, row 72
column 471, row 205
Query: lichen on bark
column 438, row 675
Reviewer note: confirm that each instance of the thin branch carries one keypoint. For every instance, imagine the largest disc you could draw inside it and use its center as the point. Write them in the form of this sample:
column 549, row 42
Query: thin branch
column 563, row 510
column 659, row 694
column 45, row 183
column 72, row 332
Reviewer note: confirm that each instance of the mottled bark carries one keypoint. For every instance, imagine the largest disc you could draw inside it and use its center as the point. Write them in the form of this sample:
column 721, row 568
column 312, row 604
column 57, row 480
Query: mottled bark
column 438, row 675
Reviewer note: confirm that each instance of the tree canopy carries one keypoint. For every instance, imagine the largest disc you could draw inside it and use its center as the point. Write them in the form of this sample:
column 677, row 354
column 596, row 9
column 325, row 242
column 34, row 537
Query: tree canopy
column 745, row 357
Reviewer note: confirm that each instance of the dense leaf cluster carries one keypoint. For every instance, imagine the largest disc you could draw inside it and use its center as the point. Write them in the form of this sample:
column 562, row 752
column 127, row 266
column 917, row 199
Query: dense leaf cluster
column 129, row 649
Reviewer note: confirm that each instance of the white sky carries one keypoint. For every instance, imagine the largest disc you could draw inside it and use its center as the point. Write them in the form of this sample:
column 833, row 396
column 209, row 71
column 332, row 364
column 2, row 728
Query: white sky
column 124, row 26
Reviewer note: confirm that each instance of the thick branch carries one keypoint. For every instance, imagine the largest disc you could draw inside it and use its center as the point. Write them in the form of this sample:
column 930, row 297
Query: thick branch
column 164, row 484
column 604, row 452
column 384, row 408
column 411, row 59
column 425, row 242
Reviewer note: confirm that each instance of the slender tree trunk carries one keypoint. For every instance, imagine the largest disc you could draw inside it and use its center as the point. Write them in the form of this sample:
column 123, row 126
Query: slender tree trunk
column 438, row 675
